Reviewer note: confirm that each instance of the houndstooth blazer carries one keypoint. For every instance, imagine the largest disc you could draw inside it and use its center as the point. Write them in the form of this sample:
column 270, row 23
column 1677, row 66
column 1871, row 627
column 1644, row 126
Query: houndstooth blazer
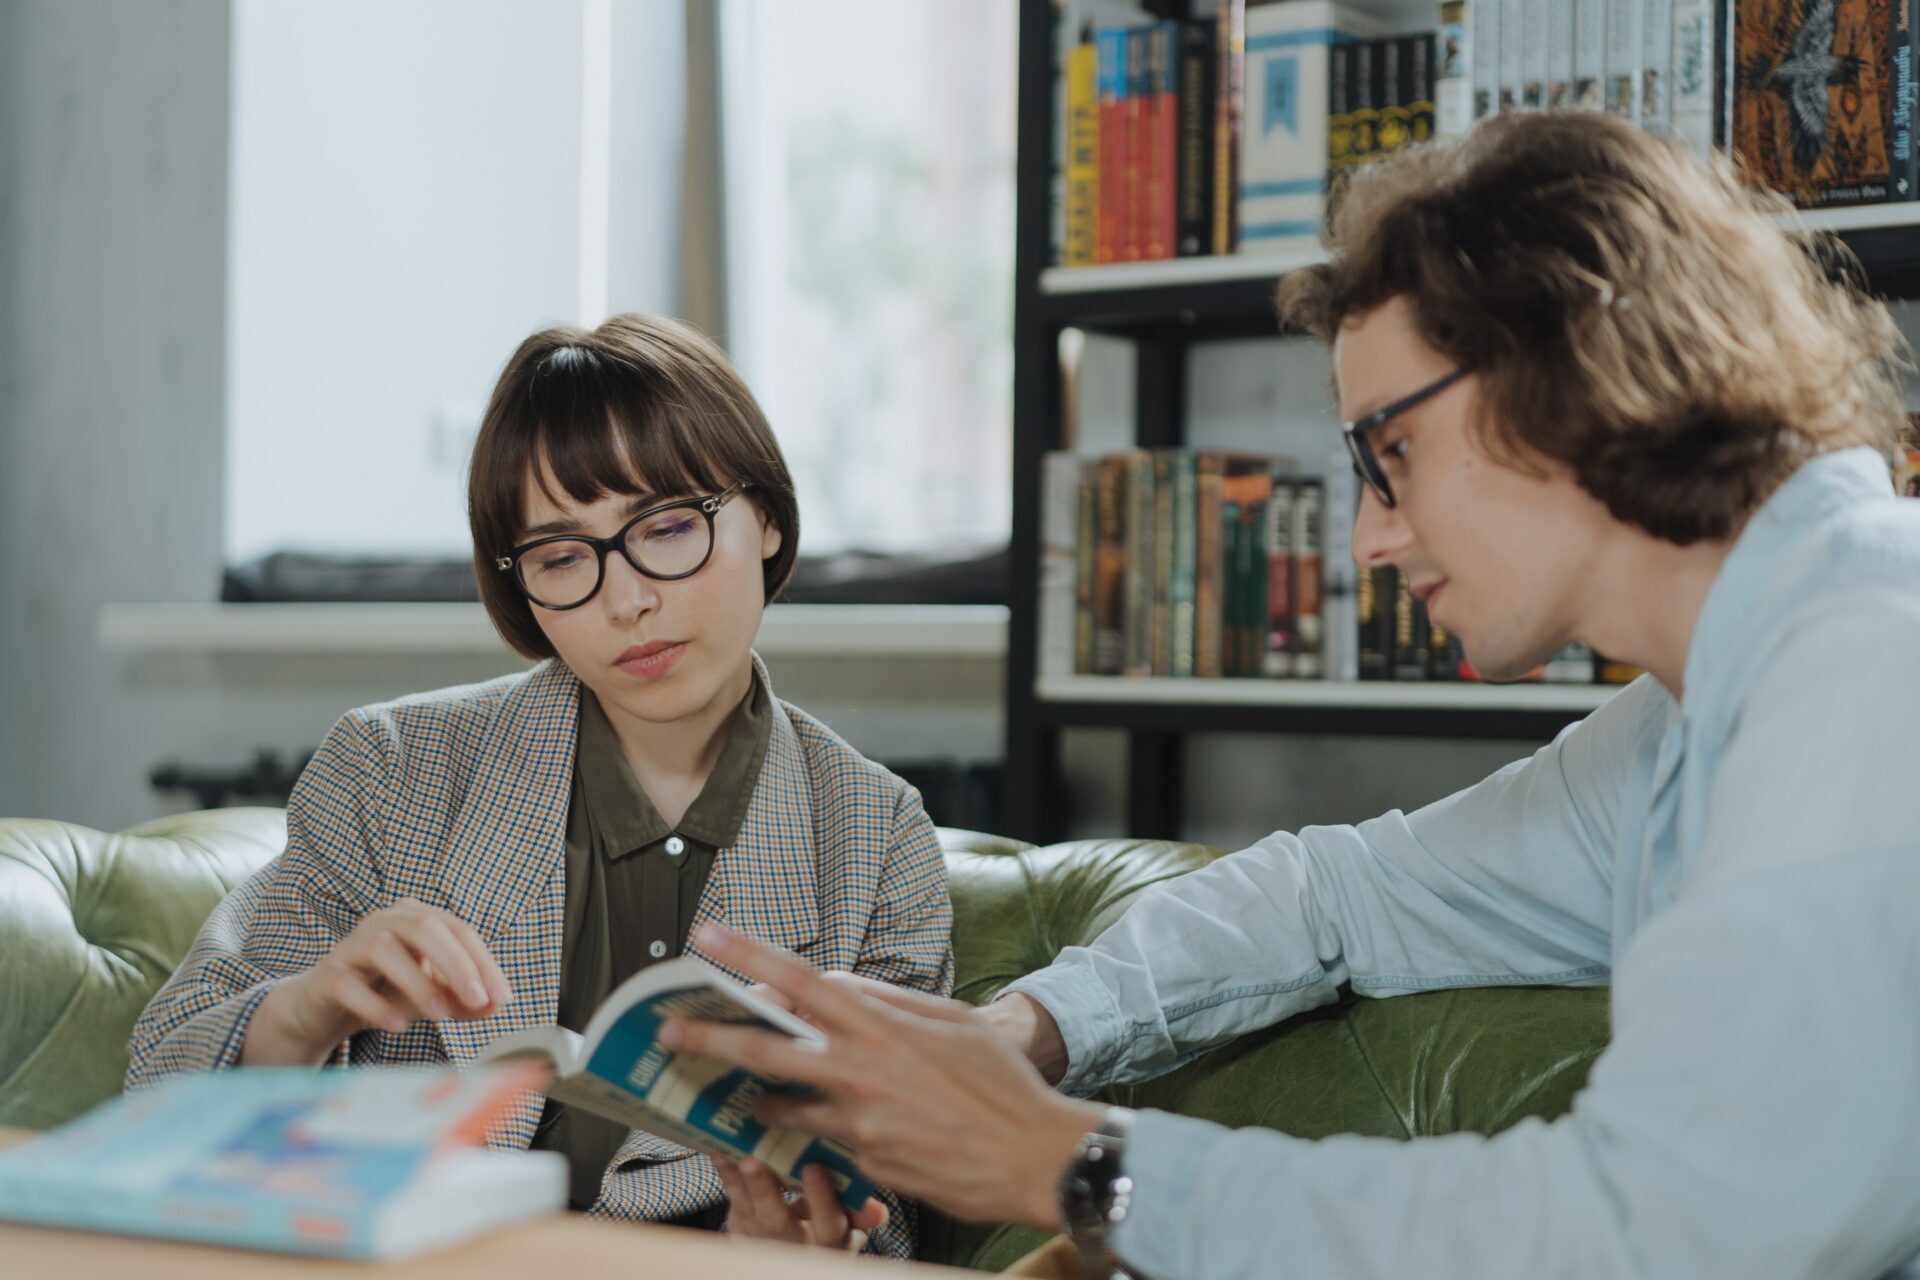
column 459, row 798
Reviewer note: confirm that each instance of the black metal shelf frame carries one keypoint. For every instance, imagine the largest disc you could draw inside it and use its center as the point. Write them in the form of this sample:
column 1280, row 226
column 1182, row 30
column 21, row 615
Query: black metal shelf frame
column 1163, row 320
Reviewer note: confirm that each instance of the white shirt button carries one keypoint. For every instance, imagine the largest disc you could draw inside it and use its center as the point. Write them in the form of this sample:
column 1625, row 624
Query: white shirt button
column 675, row 846
column 657, row 949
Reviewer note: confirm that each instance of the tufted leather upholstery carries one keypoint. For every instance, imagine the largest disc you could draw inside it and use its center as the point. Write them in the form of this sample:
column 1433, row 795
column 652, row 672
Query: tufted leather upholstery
column 91, row 924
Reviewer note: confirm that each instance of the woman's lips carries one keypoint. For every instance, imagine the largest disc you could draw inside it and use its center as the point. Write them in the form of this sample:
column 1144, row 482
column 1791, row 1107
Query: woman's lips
column 650, row 662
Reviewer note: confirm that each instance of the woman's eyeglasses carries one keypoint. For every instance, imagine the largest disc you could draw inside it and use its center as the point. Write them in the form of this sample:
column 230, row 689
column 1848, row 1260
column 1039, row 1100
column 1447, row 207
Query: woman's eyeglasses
column 671, row 541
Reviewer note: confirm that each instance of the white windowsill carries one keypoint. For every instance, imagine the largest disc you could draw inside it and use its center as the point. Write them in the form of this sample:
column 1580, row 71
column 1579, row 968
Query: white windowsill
column 811, row 630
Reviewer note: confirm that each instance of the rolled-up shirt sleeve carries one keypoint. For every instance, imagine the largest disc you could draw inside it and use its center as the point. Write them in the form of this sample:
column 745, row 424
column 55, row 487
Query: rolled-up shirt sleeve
column 1508, row 882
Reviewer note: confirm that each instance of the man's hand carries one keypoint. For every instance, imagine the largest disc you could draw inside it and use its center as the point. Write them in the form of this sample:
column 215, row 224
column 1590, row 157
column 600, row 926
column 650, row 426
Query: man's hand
column 757, row 1208
column 934, row 1101
column 400, row 965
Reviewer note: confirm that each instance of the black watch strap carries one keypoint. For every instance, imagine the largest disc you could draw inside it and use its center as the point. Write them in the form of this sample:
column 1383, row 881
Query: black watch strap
column 1095, row 1194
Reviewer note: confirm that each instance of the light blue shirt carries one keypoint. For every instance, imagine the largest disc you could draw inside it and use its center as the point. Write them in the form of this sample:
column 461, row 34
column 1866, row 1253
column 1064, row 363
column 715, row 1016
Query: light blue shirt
column 1743, row 867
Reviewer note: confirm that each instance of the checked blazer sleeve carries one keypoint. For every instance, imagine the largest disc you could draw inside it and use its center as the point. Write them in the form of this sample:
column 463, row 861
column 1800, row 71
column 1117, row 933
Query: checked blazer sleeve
column 280, row 922
column 909, row 945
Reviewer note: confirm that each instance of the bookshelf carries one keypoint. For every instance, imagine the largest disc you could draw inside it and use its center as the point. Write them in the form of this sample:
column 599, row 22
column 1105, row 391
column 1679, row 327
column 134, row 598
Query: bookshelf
column 1162, row 308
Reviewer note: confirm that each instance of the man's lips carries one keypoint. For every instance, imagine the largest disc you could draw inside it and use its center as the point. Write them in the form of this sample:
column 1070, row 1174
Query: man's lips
column 1428, row 591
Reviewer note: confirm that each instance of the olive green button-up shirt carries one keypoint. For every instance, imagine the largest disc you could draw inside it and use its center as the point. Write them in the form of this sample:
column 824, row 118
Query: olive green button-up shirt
column 632, row 885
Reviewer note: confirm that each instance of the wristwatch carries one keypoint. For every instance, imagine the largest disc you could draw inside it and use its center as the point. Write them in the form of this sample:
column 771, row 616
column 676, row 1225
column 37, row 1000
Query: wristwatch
column 1094, row 1194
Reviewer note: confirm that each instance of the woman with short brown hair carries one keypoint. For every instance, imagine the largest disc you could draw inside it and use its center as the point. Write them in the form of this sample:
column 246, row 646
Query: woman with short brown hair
column 466, row 863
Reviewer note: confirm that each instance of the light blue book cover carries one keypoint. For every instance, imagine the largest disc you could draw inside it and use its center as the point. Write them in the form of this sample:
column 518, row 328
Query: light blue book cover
column 331, row 1162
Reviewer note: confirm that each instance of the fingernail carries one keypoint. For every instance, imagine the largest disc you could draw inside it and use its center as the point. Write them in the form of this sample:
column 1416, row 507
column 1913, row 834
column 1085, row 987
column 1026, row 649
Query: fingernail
column 437, row 1010
column 476, row 994
column 396, row 1023
column 670, row 1035
column 709, row 937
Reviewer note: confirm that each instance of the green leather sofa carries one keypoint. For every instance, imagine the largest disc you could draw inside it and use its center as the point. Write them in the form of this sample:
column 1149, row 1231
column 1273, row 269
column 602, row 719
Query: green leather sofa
column 92, row 923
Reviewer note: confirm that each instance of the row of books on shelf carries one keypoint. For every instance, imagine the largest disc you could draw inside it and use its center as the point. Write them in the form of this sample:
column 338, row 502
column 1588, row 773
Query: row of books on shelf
column 1210, row 563
column 1223, row 133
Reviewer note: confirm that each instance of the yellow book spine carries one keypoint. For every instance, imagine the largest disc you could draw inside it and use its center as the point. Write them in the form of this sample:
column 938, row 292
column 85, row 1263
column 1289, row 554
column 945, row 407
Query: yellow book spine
column 1083, row 157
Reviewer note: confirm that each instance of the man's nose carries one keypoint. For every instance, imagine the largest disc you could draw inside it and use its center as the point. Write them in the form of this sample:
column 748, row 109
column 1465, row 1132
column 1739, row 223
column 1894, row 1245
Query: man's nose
column 1380, row 532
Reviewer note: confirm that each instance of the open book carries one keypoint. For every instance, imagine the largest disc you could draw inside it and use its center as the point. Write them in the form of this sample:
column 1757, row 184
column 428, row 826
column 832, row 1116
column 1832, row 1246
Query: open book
column 373, row 1162
column 617, row 1069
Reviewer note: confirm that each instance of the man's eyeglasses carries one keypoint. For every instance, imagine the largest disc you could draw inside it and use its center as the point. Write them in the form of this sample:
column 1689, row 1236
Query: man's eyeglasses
column 667, row 542
column 1365, row 462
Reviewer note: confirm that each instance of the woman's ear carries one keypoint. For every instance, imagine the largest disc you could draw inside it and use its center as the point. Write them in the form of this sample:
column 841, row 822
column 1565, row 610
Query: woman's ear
column 770, row 539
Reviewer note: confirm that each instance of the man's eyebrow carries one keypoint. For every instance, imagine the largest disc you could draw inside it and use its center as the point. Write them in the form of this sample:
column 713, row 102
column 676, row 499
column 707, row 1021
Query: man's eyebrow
column 632, row 507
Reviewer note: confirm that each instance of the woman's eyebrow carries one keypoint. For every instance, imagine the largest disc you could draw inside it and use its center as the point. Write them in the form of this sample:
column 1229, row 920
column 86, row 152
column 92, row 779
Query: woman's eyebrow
column 632, row 507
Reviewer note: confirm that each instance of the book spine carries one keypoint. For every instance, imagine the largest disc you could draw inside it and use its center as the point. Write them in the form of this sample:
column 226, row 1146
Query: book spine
column 1253, row 602
column 1277, row 657
column 1111, row 47
column 1590, row 54
column 1366, row 92
column 1309, row 516
column 1183, row 563
column 1453, row 70
column 1411, row 634
column 1656, row 62
column 1083, row 157
column 1133, row 242
column 1207, row 564
column 1417, row 58
column 1137, row 593
column 1339, row 110
column 1160, row 623
column 1230, row 54
column 1559, row 54
column 1085, row 573
column 1533, row 55
column 1373, row 610
column 1692, row 85
column 1196, row 79
column 1903, row 179
column 1623, row 58
column 1110, row 567
column 1513, row 70
column 1162, row 141
column 1059, row 516
column 1485, row 43
column 1393, row 128
column 1231, row 566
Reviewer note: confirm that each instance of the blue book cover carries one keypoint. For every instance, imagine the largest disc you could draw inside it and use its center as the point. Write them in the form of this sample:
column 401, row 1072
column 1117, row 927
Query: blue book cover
column 616, row 1068
column 372, row 1162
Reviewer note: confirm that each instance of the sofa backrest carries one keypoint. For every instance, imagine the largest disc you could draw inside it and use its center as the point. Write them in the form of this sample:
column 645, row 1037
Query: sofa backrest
column 91, row 924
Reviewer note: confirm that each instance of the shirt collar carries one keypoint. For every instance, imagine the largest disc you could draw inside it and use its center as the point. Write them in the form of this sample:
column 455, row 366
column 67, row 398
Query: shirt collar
column 1757, row 569
column 623, row 812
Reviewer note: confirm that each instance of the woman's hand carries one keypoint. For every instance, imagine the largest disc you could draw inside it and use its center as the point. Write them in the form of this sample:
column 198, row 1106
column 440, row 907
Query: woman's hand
column 758, row 1209
column 402, row 964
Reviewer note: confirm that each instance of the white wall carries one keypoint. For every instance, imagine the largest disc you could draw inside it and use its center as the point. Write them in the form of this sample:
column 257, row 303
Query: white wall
column 113, row 294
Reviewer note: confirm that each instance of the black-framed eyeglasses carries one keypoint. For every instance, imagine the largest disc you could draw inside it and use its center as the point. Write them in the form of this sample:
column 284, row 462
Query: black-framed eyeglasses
column 1366, row 463
column 671, row 541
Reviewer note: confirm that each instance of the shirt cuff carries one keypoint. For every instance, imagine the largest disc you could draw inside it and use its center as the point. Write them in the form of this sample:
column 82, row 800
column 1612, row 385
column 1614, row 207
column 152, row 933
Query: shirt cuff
column 1166, row 1158
column 1096, row 1033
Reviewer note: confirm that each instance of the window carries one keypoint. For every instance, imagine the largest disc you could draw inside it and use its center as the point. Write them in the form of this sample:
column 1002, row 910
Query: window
column 870, row 208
